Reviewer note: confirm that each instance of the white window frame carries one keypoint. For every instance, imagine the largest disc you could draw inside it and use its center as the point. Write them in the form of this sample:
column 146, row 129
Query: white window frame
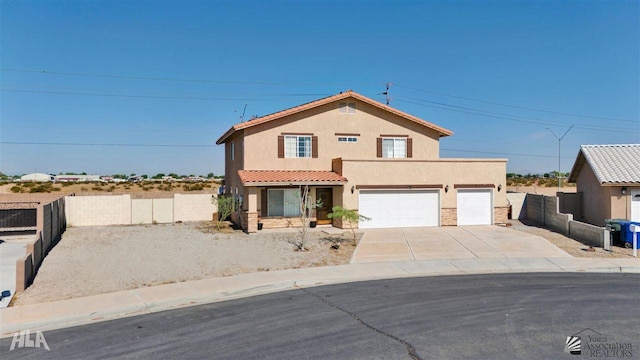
column 290, row 203
column 291, row 151
column 396, row 153
column 347, row 108
column 348, row 139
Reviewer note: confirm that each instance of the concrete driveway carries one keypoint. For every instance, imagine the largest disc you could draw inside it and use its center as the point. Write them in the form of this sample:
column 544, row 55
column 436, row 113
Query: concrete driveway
column 451, row 242
column 12, row 248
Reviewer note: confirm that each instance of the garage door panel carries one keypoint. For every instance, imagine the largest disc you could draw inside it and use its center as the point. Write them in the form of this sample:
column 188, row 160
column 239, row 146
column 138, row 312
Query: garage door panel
column 398, row 208
column 475, row 207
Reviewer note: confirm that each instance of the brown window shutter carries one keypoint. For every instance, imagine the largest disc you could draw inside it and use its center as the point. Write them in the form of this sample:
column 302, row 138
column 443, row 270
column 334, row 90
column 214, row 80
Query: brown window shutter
column 409, row 147
column 379, row 150
column 280, row 146
column 314, row 146
column 263, row 203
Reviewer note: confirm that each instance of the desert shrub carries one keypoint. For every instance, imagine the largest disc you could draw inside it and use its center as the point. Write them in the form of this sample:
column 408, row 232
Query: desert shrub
column 194, row 187
column 16, row 189
column 29, row 184
column 46, row 187
column 96, row 188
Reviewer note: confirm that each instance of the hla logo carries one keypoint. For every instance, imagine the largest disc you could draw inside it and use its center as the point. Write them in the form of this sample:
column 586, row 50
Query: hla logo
column 23, row 339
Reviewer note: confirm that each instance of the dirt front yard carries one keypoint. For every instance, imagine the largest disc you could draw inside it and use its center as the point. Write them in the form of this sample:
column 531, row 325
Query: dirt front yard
column 102, row 259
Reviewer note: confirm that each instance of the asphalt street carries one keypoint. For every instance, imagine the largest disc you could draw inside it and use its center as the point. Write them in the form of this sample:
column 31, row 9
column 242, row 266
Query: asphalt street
column 502, row 316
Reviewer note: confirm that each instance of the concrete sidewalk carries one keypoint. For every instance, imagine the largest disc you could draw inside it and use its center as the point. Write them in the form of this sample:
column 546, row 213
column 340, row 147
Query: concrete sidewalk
column 90, row 309
column 12, row 248
column 451, row 242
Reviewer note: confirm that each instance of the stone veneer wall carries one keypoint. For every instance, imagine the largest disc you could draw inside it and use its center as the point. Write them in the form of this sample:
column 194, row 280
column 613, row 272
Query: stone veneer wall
column 449, row 217
column 500, row 214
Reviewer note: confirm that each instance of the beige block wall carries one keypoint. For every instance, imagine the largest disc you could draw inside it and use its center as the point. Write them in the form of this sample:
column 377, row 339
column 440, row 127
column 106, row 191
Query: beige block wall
column 197, row 207
column 98, row 210
column 261, row 149
column 141, row 211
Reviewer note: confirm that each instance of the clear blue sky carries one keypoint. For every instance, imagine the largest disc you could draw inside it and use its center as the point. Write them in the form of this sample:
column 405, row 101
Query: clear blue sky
column 179, row 73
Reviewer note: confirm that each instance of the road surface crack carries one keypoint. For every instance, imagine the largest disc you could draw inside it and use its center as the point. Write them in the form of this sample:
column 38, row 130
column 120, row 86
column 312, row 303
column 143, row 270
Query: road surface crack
column 411, row 350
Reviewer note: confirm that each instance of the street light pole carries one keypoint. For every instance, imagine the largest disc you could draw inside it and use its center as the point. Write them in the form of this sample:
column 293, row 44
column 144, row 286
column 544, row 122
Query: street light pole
column 559, row 142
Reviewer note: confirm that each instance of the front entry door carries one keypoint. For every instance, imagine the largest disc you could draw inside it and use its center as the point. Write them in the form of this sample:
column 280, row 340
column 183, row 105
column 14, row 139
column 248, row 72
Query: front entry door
column 325, row 196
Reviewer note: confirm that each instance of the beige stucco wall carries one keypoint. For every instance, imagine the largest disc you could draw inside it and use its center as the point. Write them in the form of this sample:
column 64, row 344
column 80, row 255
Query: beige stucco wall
column 602, row 202
column 261, row 145
column 141, row 211
column 597, row 205
column 430, row 172
column 231, row 167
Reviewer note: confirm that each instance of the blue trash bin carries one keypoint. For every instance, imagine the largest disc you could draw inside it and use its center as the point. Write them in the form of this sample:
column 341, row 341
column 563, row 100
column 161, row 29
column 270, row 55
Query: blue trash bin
column 626, row 235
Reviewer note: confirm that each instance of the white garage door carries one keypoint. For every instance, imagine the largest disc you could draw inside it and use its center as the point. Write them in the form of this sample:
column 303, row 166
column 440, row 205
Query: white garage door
column 635, row 205
column 399, row 208
column 475, row 207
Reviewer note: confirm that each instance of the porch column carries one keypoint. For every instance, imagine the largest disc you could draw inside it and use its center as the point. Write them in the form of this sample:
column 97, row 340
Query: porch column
column 251, row 217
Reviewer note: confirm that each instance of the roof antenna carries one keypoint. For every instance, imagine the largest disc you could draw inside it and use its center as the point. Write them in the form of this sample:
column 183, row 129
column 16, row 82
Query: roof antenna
column 243, row 111
column 386, row 93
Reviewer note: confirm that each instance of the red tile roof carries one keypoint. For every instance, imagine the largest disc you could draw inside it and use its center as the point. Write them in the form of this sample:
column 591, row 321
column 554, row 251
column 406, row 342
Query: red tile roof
column 327, row 100
column 290, row 177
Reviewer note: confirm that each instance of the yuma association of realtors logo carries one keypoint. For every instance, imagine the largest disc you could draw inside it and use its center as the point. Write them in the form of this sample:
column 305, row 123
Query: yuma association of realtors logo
column 594, row 344
column 23, row 339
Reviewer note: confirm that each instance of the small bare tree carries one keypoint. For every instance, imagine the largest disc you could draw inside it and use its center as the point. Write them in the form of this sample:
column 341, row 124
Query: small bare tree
column 351, row 216
column 306, row 209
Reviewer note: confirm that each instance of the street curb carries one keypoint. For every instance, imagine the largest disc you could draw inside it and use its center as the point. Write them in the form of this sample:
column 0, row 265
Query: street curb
column 104, row 307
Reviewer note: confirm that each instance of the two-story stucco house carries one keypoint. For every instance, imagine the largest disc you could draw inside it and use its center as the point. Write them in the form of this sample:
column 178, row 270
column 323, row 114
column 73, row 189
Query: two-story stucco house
column 359, row 154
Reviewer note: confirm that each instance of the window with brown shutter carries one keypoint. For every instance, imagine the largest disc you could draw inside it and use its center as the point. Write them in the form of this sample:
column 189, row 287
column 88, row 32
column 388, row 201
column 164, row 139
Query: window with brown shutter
column 281, row 146
column 263, row 203
column 379, row 147
column 314, row 146
column 409, row 147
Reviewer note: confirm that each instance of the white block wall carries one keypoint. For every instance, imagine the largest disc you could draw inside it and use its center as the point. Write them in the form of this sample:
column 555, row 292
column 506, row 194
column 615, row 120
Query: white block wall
column 98, row 210
column 163, row 210
column 141, row 211
column 198, row 207
column 122, row 210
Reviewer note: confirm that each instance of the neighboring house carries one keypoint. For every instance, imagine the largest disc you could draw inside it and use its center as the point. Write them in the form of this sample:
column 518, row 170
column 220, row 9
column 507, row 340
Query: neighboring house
column 607, row 178
column 37, row 177
column 360, row 154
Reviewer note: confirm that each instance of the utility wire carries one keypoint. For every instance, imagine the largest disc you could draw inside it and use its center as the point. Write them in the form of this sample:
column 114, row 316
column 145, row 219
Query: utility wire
column 502, row 153
column 38, row 86
column 149, row 78
column 138, row 96
column 547, row 123
column 204, row 145
column 515, row 106
column 120, row 145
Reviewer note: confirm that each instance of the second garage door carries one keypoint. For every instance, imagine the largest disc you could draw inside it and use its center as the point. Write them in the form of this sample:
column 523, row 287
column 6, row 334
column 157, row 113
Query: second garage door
column 475, row 207
column 399, row 208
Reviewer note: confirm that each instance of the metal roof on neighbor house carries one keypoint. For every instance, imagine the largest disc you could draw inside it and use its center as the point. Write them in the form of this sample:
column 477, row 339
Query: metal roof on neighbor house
column 289, row 177
column 343, row 95
column 612, row 164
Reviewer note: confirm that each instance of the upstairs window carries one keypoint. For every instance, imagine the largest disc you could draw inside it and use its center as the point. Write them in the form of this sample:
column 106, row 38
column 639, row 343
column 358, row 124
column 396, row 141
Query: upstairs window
column 395, row 147
column 347, row 139
column 347, row 108
column 233, row 151
column 297, row 146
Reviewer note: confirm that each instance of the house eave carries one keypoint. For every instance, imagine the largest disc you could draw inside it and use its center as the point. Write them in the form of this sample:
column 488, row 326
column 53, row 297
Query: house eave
column 292, row 183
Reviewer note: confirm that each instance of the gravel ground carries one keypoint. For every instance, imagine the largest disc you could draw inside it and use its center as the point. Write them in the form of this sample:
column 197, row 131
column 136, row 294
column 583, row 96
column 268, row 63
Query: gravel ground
column 573, row 247
column 102, row 259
